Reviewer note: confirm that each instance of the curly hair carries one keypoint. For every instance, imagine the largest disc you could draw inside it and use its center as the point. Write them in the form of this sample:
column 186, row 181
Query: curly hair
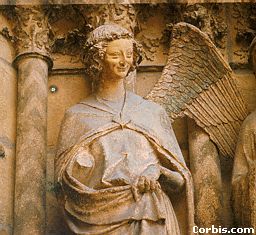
column 96, row 45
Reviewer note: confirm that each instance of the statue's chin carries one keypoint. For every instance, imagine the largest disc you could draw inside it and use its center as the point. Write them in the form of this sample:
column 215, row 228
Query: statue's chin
column 118, row 77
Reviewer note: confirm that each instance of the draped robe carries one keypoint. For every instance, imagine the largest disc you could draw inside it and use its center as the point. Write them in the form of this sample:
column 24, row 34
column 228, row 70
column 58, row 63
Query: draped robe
column 244, row 175
column 101, row 152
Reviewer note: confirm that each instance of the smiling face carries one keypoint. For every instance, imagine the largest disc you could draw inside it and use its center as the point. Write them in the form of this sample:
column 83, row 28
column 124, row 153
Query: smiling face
column 118, row 59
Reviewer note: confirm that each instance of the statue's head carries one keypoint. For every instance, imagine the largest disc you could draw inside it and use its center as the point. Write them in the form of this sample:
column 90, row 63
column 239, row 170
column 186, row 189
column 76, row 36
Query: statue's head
column 252, row 55
column 96, row 49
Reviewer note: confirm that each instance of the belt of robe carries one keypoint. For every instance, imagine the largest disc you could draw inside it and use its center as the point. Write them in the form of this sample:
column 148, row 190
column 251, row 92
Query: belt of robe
column 112, row 205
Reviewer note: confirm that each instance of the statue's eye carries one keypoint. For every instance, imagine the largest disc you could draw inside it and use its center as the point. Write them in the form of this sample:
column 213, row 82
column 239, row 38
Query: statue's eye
column 115, row 55
column 129, row 55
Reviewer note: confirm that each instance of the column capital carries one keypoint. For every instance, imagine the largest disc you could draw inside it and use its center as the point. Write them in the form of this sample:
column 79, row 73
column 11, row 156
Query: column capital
column 34, row 54
column 32, row 33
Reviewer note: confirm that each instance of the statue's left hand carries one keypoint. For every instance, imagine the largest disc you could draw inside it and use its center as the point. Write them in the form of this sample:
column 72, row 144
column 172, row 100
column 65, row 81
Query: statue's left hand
column 144, row 184
column 172, row 179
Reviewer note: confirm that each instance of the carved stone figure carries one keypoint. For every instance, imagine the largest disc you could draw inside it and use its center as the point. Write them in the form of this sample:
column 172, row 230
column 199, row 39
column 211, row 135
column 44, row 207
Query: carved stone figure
column 243, row 178
column 118, row 159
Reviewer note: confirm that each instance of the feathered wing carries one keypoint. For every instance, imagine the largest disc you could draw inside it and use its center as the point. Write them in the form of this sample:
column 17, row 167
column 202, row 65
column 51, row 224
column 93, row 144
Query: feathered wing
column 198, row 82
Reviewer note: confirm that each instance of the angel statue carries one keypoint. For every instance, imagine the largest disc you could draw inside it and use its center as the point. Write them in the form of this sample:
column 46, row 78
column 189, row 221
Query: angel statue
column 118, row 157
column 244, row 170
column 118, row 162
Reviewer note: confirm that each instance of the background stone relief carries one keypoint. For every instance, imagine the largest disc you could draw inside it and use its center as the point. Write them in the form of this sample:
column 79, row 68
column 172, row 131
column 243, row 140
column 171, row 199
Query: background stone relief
column 7, row 129
column 153, row 27
column 230, row 26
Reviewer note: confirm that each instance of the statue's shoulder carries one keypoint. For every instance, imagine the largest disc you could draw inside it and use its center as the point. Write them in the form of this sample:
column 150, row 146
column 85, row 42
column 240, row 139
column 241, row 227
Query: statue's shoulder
column 249, row 123
column 75, row 109
column 84, row 107
column 149, row 105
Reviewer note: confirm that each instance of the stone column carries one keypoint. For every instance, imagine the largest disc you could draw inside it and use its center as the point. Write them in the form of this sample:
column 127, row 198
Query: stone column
column 206, row 173
column 32, row 63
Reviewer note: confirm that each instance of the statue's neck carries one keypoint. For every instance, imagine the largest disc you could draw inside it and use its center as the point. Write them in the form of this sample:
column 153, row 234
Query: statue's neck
column 111, row 90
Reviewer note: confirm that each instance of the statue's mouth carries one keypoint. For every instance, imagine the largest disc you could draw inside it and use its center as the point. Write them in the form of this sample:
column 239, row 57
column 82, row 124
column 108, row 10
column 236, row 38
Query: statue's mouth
column 122, row 69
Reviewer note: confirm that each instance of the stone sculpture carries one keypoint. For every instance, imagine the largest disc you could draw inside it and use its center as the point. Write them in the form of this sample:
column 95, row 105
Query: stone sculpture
column 198, row 82
column 118, row 158
column 243, row 178
column 112, row 118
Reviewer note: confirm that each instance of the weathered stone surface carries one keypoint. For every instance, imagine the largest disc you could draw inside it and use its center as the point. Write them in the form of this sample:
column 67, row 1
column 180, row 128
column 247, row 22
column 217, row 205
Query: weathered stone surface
column 123, row 15
column 7, row 138
column 230, row 26
column 127, row 180
column 8, row 85
column 55, row 224
column 243, row 177
column 210, row 19
column 31, row 147
column 32, row 30
column 247, row 84
column 244, row 170
column 34, row 2
column 196, row 77
column 206, row 173
column 32, row 65
column 61, row 100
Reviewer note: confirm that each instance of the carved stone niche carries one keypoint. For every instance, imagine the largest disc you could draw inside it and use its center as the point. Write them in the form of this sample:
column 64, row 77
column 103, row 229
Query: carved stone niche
column 181, row 96
column 110, row 162
column 65, row 33
column 210, row 19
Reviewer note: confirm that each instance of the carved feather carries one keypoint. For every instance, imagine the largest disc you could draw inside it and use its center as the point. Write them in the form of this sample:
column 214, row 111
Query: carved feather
column 198, row 82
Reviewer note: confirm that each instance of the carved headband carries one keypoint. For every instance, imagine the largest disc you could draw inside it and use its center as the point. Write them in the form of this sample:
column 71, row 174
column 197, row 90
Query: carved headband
column 107, row 32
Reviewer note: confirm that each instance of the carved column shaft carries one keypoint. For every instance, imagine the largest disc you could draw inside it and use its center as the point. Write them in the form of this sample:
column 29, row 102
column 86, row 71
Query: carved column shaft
column 32, row 65
column 206, row 172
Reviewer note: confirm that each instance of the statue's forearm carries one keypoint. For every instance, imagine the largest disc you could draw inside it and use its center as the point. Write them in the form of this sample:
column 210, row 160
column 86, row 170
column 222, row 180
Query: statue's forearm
column 174, row 179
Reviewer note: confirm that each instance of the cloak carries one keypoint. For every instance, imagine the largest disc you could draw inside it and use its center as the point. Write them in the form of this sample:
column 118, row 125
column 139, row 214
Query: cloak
column 90, row 120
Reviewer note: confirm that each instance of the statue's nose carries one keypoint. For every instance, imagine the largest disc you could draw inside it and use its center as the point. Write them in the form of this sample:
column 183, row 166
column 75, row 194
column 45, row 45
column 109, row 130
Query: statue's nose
column 122, row 60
